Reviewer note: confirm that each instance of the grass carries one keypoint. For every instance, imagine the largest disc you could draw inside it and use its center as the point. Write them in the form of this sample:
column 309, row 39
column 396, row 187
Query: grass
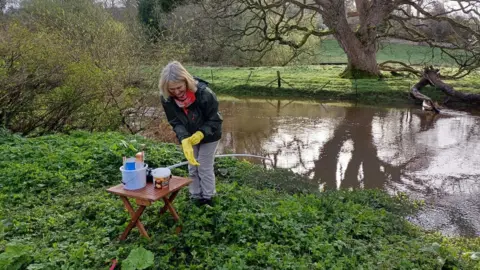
column 55, row 214
column 323, row 81
column 319, row 82
column 330, row 52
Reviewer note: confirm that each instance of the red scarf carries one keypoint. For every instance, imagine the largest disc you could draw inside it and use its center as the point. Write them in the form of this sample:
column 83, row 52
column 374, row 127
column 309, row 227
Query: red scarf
column 186, row 102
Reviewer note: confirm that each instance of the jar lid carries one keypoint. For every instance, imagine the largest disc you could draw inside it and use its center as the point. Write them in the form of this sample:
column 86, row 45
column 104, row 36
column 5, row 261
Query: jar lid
column 161, row 172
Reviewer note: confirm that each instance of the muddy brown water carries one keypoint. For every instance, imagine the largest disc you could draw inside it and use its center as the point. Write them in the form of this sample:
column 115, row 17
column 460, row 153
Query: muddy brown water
column 435, row 158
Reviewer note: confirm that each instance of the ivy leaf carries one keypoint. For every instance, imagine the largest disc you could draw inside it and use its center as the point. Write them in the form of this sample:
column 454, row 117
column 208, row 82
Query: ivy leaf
column 2, row 230
column 434, row 248
column 223, row 171
column 139, row 258
column 474, row 255
column 15, row 257
column 124, row 143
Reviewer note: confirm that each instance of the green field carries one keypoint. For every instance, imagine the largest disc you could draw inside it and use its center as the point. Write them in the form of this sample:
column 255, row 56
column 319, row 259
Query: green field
column 319, row 82
column 323, row 81
column 330, row 52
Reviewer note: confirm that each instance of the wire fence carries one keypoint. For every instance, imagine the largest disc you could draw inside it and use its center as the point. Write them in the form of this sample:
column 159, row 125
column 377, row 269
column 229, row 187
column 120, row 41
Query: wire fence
column 316, row 82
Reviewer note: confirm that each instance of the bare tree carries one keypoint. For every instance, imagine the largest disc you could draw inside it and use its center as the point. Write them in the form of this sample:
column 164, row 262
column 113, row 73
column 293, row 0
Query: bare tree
column 293, row 22
column 453, row 28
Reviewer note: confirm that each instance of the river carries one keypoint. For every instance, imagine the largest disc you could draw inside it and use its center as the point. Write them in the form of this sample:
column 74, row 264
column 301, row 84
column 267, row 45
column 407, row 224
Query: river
column 430, row 157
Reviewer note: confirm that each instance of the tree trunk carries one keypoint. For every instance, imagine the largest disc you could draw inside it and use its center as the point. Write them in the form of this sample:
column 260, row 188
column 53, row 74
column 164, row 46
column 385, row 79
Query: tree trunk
column 362, row 60
column 359, row 46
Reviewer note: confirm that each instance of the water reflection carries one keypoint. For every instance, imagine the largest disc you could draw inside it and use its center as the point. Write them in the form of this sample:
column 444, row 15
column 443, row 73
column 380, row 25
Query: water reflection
column 343, row 146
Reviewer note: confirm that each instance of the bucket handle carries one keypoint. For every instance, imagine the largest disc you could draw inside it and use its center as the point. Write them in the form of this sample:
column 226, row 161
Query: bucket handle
column 127, row 181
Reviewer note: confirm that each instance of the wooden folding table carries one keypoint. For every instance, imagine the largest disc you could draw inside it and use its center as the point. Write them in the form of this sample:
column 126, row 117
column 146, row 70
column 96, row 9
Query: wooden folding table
column 145, row 197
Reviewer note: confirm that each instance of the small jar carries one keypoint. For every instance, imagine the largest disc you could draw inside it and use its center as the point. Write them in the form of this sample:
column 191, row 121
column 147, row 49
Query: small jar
column 161, row 177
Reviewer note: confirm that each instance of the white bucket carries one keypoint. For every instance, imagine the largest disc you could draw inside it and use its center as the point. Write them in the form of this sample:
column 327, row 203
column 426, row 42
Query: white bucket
column 134, row 179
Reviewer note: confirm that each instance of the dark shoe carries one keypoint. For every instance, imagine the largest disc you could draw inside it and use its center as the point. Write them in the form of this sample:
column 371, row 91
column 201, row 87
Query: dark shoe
column 196, row 202
column 208, row 202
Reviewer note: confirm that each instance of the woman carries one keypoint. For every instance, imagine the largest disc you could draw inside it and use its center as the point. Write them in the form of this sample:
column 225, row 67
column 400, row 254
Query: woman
column 192, row 110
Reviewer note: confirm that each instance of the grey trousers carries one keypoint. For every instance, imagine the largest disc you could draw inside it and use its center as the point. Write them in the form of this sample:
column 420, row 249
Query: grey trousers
column 203, row 176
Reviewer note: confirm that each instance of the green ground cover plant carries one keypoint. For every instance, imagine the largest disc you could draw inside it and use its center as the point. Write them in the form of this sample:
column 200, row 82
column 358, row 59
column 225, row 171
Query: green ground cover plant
column 56, row 214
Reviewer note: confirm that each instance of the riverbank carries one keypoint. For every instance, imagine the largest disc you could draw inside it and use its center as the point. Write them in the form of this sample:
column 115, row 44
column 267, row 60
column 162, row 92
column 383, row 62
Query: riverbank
column 320, row 82
column 55, row 213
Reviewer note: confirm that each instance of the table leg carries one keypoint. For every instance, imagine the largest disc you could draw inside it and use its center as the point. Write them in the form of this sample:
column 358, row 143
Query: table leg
column 171, row 198
column 135, row 219
column 168, row 204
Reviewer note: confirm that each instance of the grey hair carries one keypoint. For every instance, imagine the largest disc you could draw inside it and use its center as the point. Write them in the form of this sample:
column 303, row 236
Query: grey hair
column 175, row 72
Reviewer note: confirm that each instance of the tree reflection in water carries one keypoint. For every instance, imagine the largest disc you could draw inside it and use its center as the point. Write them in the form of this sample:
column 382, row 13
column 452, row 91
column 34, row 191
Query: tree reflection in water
column 345, row 146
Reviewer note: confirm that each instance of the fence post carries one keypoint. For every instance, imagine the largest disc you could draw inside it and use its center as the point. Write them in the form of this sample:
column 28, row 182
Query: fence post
column 249, row 77
column 356, row 89
column 279, row 80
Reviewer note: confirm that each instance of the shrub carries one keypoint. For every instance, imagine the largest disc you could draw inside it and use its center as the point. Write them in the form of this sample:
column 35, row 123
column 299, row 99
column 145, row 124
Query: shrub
column 66, row 65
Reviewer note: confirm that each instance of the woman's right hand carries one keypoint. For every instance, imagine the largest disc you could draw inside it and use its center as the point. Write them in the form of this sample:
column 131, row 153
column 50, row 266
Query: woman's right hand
column 196, row 138
column 188, row 152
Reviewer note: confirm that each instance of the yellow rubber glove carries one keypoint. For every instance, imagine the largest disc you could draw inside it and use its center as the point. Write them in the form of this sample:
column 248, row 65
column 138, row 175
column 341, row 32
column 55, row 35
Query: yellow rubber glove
column 196, row 138
column 188, row 152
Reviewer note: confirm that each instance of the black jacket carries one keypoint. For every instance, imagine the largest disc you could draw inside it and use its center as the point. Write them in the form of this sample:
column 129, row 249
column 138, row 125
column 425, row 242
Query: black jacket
column 202, row 115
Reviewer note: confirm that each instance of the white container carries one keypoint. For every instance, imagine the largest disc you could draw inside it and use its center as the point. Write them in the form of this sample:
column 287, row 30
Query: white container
column 161, row 177
column 134, row 179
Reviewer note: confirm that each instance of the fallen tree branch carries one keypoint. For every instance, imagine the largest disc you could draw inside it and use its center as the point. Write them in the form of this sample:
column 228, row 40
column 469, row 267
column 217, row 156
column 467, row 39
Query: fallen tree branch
column 433, row 76
column 415, row 92
column 401, row 67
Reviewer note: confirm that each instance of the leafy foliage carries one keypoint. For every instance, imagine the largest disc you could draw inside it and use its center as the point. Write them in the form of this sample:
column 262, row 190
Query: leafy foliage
column 138, row 258
column 15, row 257
column 150, row 12
column 67, row 65
column 53, row 204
